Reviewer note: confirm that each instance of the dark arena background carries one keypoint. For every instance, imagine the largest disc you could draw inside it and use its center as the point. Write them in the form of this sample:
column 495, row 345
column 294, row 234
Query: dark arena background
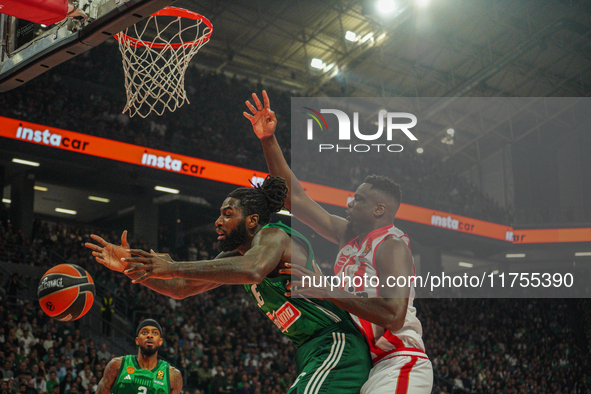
column 524, row 186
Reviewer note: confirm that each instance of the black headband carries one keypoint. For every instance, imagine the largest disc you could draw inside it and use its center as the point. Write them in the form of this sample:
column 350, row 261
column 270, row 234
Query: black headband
column 148, row 322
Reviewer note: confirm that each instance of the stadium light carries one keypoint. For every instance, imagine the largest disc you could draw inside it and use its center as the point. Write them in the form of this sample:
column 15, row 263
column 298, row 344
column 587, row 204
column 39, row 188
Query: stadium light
column 26, row 162
column 317, row 63
column 99, row 199
column 166, row 190
column 515, row 255
column 420, row 150
column 582, row 254
column 495, row 272
column 66, row 211
column 40, row 188
column 464, row 264
column 351, row 36
column 451, row 131
column 386, row 6
column 6, row 201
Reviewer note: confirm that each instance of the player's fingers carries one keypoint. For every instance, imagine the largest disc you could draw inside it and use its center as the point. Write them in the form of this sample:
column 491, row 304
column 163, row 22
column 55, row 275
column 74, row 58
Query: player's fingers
column 124, row 239
column 248, row 116
column 99, row 260
column 93, row 247
column 266, row 99
column 257, row 101
column 138, row 252
column 251, row 107
column 98, row 239
column 141, row 278
column 133, row 267
column 285, row 271
column 294, row 284
column 140, row 261
column 297, row 270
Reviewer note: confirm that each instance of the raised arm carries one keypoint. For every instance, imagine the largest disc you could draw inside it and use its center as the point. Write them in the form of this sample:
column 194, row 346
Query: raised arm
column 111, row 255
column 109, row 376
column 263, row 122
column 268, row 248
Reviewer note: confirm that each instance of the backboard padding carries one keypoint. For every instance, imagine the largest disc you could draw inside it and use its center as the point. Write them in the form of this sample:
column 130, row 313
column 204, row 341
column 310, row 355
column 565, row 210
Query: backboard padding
column 63, row 42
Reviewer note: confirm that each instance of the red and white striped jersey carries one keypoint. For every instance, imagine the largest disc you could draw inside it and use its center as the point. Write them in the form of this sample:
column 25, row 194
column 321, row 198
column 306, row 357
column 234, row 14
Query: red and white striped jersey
column 355, row 260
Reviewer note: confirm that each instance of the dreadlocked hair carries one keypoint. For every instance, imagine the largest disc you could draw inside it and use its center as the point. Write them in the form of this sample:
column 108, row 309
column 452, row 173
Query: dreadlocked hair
column 263, row 199
column 384, row 185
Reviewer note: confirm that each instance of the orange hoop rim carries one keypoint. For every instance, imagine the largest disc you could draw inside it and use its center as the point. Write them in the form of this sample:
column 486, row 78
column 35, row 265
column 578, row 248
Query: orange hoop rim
column 171, row 11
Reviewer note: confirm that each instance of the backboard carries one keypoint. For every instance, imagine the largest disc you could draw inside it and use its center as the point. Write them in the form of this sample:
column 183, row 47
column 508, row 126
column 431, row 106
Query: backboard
column 28, row 49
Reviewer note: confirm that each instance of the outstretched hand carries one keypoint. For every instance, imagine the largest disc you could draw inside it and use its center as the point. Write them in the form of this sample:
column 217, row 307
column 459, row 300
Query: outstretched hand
column 108, row 254
column 154, row 265
column 263, row 119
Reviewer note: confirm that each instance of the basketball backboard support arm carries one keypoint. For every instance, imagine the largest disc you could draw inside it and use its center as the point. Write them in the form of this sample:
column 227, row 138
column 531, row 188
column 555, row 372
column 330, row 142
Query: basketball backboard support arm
column 63, row 41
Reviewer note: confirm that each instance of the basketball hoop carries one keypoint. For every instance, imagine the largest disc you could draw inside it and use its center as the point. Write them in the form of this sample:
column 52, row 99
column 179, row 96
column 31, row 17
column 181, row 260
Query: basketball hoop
column 155, row 66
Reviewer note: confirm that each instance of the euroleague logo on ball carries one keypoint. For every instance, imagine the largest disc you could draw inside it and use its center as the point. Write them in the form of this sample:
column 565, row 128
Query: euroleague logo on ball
column 46, row 284
column 50, row 306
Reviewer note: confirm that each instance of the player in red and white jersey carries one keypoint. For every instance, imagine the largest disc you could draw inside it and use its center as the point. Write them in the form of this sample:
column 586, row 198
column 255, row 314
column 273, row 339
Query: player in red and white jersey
column 356, row 259
column 385, row 314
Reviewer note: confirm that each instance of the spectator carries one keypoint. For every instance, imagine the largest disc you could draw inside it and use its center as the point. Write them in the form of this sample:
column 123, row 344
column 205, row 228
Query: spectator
column 103, row 353
column 107, row 310
column 40, row 384
column 66, row 384
column 6, row 371
column 52, row 381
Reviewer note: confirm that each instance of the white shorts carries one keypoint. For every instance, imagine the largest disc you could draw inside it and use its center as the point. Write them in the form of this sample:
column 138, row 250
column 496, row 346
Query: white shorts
column 400, row 375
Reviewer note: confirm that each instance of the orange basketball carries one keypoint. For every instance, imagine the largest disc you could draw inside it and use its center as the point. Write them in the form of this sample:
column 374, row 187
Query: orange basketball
column 66, row 292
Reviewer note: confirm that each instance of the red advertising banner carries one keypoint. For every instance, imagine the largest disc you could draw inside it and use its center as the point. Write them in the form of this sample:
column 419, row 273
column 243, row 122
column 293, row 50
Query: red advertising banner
column 554, row 235
column 123, row 152
column 167, row 161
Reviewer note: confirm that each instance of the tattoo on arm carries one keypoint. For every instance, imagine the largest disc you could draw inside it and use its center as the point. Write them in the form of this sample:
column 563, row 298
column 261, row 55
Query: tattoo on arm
column 109, row 376
column 176, row 381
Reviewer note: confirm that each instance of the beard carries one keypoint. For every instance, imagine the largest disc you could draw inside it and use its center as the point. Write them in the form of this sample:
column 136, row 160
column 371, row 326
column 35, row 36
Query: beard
column 146, row 351
column 350, row 230
column 235, row 239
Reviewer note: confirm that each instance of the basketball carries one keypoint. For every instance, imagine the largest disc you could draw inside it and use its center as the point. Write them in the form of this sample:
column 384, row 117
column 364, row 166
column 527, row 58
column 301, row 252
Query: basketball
column 66, row 292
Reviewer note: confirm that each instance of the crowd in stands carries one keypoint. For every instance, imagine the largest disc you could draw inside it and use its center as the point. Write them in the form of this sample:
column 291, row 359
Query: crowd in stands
column 223, row 344
column 87, row 95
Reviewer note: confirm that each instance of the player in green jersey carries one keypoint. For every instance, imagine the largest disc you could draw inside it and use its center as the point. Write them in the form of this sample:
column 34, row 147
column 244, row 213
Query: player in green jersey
column 144, row 373
column 332, row 355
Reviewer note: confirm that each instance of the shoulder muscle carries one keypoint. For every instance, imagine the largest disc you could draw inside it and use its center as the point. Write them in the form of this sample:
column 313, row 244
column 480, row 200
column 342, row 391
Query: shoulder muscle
column 176, row 380
column 109, row 376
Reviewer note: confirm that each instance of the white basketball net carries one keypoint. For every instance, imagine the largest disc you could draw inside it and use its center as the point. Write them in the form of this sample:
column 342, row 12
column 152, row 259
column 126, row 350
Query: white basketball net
column 155, row 77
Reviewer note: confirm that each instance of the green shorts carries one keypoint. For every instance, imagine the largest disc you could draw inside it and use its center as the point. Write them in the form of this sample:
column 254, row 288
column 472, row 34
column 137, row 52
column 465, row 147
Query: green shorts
column 336, row 360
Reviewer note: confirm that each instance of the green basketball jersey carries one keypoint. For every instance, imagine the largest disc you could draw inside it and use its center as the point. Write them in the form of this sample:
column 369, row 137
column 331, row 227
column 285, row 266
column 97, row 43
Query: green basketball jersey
column 300, row 319
column 134, row 380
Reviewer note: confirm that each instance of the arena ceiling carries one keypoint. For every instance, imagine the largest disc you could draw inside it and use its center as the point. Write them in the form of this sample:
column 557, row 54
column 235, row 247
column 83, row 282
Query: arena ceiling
column 444, row 49
column 425, row 48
